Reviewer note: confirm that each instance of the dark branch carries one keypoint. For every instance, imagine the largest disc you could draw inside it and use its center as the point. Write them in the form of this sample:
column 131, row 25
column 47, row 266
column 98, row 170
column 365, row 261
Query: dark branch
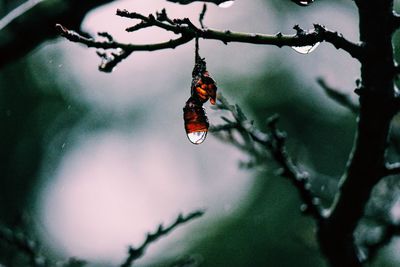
column 202, row 15
column 395, row 22
column 136, row 253
column 339, row 97
column 274, row 142
column 391, row 169
column 22, row 31
column 110, row 61
column 188, row 31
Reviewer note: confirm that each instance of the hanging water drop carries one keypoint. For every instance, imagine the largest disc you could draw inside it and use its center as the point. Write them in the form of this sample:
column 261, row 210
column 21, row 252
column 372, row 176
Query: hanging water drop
column 226, row 4
column 306, row 49
column 197, row 137
column 303, row 2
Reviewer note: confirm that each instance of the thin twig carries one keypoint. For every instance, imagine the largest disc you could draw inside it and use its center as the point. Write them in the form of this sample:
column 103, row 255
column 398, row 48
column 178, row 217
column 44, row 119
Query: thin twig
column 274, row 142
column 136, row 253
column 339, row 97
column 202, row 15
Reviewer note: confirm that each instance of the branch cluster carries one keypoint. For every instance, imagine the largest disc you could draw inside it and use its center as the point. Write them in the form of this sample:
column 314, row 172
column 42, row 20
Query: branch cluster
column 274, row 142
column 187, row 30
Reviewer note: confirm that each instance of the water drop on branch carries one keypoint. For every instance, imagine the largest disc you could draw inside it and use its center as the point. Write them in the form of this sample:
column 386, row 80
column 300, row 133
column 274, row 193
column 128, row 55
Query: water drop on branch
column 197, row 137
column 226, row 4
column 305, row 49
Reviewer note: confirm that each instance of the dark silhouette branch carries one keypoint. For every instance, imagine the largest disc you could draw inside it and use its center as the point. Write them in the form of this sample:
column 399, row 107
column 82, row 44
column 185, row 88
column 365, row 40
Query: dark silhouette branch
column 123, row 50
column 274, row 143
column 188, row 31
column 367, row 160
column 136, row 253
column 395, row 21
column 23, row 29
column 391, row 169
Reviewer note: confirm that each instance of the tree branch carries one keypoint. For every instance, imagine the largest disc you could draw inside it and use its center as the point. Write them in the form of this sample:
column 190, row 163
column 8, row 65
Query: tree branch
column 136, row 253
column 33, row 23
column 339, row 97
column 274, row 142
column 188, row 31
column 391, row 169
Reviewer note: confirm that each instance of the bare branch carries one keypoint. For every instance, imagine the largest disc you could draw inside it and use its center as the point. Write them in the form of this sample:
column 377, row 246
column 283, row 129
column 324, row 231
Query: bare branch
column 188, row 31
column 33, row 23
column 274, row 142
column 395, row 21
column 339, row 97
column 391, row 169
column 202, row 15
column 136, row 253
column 109, row 62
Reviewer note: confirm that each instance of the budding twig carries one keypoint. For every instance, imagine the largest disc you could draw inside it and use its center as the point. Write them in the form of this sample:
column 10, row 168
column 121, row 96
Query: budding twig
column 136, row 253
column 274, row 143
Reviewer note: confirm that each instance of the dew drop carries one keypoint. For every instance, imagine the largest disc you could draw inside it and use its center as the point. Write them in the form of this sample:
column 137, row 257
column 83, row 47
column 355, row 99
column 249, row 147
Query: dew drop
column 226, row 4
column 305, row 49
column 197, row 137
column 303, row 2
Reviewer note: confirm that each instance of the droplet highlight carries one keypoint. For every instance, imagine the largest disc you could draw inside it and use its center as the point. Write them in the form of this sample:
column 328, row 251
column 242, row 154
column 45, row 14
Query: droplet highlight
column 303, row 2
column 307, row 49
column 226, row 4
column 197, row 137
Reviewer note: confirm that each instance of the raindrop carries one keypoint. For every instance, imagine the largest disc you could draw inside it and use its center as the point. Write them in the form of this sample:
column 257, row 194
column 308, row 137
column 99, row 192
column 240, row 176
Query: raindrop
column 303, row 2
column 197, row 137
column 226, row 4
column 305, row 49
column 63, row 145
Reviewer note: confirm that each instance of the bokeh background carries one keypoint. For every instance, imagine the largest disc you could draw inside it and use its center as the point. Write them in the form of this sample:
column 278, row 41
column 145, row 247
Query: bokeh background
column 91, row 161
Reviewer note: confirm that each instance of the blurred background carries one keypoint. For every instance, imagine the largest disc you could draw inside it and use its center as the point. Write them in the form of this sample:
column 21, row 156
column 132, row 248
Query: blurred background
column 92, row 161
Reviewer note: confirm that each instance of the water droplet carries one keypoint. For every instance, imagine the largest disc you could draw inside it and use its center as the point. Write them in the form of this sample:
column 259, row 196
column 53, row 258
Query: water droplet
column 197, row 137
column 303, row 2
column 63, row 145
column 305, row 49
column 226, row 4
